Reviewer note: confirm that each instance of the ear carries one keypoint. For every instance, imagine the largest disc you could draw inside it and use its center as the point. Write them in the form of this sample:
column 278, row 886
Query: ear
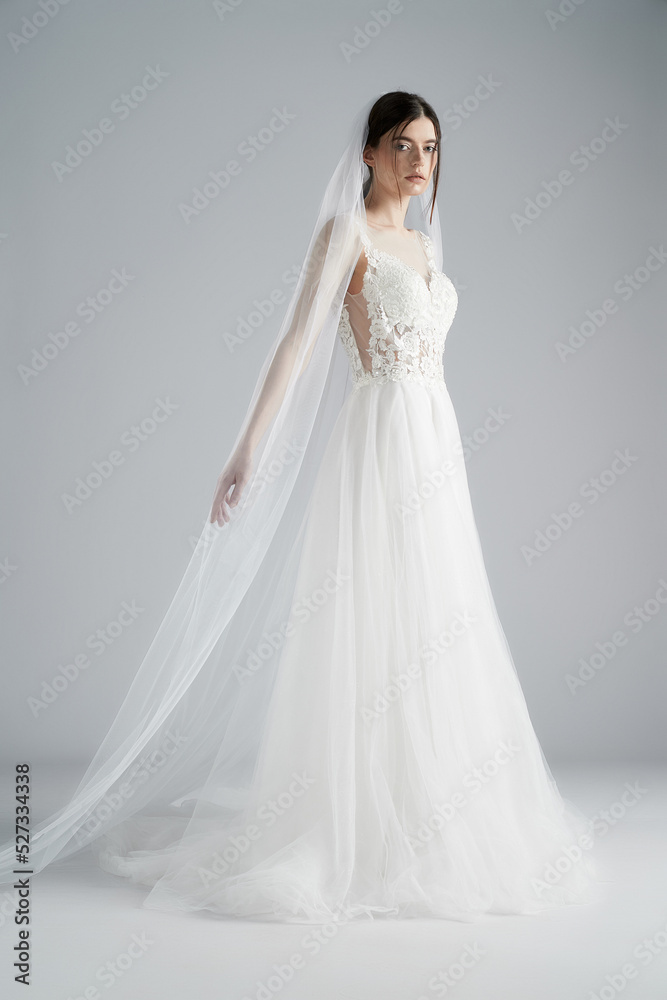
column 369, row 156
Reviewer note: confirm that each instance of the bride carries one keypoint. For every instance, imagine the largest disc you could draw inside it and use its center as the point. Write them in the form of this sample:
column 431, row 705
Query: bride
column 328, row 722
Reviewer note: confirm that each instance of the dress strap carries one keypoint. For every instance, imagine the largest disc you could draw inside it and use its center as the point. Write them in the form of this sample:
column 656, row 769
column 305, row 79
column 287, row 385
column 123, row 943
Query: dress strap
column 369, row 246
column 428, row 247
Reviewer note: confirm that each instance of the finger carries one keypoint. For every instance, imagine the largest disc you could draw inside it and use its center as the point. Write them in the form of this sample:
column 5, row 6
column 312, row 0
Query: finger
column 238, row 489
column 222, row 487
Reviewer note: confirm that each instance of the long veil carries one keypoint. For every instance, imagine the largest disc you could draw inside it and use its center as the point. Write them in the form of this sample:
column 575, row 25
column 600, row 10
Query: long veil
column 186, row 737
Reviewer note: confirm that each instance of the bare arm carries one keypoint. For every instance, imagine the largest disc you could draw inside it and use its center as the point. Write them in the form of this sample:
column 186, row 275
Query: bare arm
column 322, row 281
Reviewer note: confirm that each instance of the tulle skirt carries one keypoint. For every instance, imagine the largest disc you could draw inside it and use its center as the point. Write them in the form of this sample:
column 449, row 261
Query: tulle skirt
column 399, row 773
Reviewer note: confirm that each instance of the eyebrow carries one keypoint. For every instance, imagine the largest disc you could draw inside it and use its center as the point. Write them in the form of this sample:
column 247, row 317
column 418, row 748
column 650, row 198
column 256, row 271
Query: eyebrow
column 428, row 142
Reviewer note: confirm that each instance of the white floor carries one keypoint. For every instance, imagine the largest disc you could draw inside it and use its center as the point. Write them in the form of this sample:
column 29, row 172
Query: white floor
column 91, row 938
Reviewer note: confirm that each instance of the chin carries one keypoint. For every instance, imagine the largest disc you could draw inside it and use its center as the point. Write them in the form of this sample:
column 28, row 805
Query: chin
column 416, row 188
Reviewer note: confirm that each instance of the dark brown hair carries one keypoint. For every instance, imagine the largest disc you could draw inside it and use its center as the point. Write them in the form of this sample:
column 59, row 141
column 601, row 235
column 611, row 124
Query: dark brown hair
column 390, row 113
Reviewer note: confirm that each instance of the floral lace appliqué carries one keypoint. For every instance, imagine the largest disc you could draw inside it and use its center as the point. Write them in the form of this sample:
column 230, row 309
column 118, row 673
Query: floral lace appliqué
column 409, row 319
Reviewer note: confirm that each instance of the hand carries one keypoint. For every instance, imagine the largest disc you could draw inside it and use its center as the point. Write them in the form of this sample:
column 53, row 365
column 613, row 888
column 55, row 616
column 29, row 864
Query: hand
column 235, row 474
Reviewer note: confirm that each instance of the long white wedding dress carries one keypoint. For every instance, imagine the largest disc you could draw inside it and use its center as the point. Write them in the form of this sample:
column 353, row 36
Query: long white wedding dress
column 399, row 772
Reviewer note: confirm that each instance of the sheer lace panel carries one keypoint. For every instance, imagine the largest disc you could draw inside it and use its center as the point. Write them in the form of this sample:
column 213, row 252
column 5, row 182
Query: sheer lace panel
column 395, row 328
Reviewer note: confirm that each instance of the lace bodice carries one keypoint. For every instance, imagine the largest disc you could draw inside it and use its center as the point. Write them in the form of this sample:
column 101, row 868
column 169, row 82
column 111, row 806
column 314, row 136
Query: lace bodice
column 408, row 319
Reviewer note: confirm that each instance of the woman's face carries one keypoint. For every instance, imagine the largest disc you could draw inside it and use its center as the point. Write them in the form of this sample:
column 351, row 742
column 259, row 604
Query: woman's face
column 416, row 151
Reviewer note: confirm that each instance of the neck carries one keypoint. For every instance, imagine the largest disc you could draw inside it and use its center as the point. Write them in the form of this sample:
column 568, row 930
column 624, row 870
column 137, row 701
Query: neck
column 385, row 211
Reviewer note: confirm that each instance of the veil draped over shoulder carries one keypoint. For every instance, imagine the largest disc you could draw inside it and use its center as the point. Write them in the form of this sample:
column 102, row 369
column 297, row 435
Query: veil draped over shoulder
column 185, row 739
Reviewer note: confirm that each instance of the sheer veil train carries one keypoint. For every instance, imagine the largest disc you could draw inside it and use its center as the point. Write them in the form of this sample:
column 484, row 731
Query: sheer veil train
column 186, row 736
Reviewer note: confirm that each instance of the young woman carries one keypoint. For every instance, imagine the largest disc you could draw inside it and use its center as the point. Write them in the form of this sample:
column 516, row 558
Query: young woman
column 350, row 734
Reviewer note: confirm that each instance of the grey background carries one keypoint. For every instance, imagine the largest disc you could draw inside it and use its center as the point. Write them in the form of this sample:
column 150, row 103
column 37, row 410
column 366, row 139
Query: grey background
column 67, row 574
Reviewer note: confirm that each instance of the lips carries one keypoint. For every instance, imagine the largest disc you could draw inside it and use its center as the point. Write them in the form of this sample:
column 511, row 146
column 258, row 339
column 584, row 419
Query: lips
column 415, row 177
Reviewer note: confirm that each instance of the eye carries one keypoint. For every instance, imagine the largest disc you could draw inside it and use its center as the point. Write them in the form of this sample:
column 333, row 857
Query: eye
column 404, row 145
